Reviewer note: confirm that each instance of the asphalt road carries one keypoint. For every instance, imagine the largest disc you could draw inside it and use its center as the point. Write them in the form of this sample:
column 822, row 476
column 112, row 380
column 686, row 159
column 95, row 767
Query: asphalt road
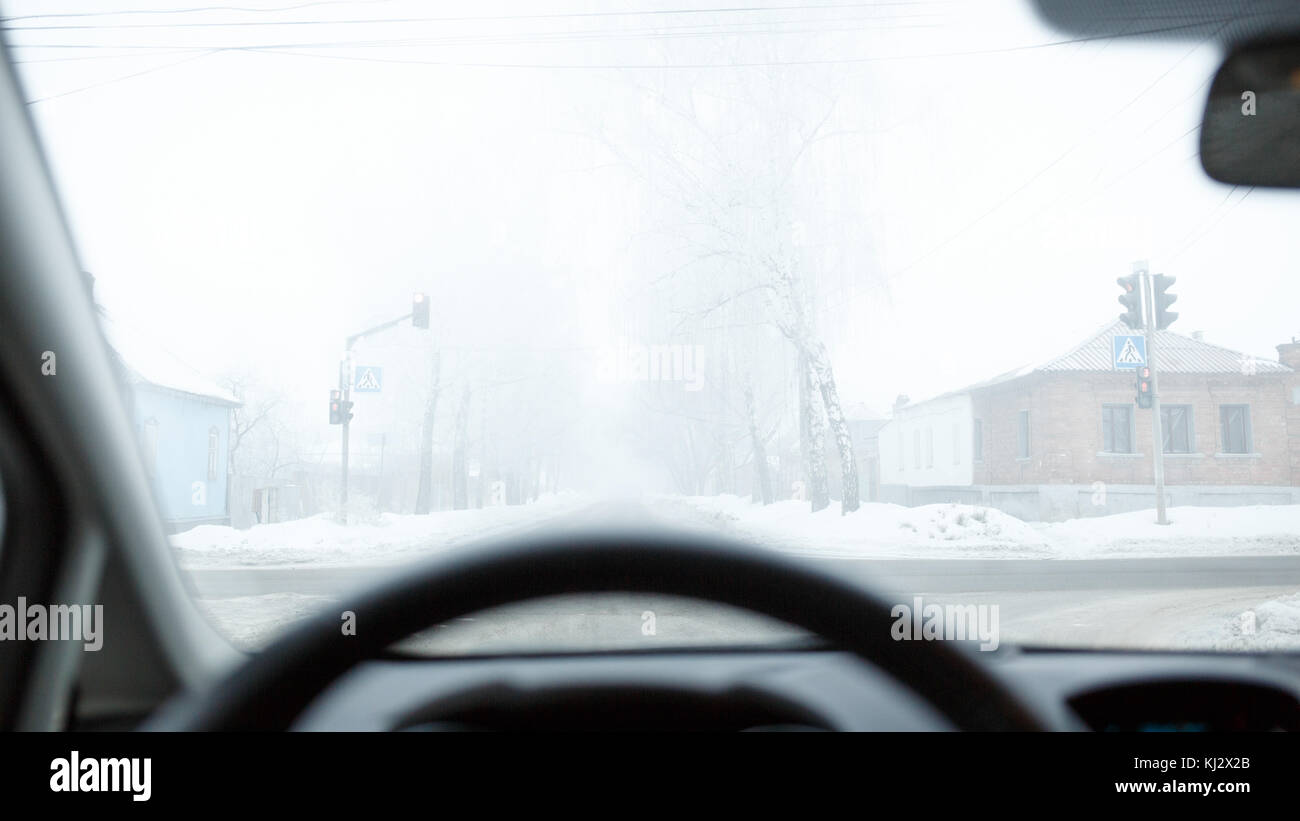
column 908, row 576
column 1149, row 602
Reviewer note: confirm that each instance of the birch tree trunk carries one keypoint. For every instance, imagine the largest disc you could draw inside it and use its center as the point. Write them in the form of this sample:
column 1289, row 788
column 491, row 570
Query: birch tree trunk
column 813, row 437
column 839, row 427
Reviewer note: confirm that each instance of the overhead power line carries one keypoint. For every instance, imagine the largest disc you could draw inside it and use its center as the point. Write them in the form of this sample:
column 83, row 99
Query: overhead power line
column 999, row 203
column 1211, row 222
column 469, row 18
column 113, row 80
column 588, row 65
column 279, row 49
column 194, row 10
column 757, row 27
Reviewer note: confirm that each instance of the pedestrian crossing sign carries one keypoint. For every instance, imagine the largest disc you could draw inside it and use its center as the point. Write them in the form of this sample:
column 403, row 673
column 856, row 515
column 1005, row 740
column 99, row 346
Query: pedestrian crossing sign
column 369, row 379
column 1130, row 351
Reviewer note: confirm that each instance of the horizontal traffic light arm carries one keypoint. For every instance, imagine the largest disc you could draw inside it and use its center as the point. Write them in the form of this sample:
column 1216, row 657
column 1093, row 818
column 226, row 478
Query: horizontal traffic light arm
column 383, row 327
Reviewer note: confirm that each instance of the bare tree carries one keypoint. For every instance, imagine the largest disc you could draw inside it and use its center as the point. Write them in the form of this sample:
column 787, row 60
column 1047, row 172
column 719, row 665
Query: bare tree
column 255, row 409
column 459, row 461
column 424, row 493
column 734, row 188
column 762, row 470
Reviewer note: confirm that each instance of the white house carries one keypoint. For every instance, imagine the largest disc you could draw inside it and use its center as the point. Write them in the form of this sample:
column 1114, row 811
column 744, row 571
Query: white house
column 928, row 444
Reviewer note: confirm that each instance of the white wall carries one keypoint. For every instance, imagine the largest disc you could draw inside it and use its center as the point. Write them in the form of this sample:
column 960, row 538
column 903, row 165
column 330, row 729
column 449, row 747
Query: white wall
column 939, row 433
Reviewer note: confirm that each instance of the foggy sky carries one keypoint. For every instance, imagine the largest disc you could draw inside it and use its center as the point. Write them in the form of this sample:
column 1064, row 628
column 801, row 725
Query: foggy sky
column 258, row 205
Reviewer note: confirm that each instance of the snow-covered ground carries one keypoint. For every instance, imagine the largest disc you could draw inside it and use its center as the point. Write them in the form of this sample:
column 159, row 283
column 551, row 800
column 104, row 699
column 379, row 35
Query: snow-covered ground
column 954, row 531
column 1252, row 530
column 322, row 541
column 1202, row 617
column 885, row 531
column 1268, row 625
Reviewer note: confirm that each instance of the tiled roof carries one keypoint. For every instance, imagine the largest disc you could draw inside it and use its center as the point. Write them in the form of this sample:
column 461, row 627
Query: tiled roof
column 1174, row 353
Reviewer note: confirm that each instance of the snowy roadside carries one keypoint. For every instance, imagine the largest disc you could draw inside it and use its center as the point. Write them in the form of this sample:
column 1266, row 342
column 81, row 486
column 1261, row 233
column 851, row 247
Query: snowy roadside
column 1251, row 530
column 955, row 531
column 1269, row 625
column 321, row 541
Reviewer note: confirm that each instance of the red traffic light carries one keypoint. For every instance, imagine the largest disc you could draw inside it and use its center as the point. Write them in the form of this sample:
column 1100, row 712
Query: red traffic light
column 420, row 310
column 1131, row 299
column 1144, row 387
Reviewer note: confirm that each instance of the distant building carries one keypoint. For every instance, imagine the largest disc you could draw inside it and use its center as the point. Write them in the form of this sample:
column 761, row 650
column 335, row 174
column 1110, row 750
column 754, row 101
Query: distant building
column 864, row 428
column 182, row 422
column 1064, row 438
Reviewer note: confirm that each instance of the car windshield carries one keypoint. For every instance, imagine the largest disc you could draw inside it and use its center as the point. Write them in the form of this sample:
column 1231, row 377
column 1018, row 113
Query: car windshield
column 887, row 287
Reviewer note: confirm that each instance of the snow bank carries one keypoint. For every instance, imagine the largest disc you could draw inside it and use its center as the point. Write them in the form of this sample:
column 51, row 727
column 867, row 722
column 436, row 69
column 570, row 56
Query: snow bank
column 874, row 530
column 1192, row 531
column 1271, row 625
column 883, row 531
column 320, row 540
column 889, row 531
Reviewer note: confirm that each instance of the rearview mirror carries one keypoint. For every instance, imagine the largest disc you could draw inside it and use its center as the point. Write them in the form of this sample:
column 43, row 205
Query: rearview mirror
column 1250, row 134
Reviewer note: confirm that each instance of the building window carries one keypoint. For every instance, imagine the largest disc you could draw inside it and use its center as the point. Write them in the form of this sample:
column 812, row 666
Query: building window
column 1176, row 422
column 956, row 444
column 213, row 438
column 916, row 448
column 929, row 447
column 977, row 440
column 1235, row 421
column 1117, row 428
column 1022, row 436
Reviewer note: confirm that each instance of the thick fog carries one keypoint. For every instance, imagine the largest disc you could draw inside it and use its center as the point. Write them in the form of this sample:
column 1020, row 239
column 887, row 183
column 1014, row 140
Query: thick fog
column 633, row 222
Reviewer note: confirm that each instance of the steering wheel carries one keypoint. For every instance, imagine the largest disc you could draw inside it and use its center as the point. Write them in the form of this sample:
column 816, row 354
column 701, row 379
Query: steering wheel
column 274, row 687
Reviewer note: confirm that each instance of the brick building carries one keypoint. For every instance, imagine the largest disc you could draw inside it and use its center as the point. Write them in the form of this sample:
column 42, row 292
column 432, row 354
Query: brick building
column 1065, row 438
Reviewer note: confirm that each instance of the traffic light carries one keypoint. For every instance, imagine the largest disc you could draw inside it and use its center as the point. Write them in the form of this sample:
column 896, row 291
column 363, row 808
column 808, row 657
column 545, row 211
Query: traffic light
column 346, row 411
column 1164, row 316
column 1144, row 387
column 336, row 409
column 1131, row 299
column 420, row 311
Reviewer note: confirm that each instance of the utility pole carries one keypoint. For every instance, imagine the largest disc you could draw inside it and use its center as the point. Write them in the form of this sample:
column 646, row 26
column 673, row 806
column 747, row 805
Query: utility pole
column 1157, row 429
column 345, row 390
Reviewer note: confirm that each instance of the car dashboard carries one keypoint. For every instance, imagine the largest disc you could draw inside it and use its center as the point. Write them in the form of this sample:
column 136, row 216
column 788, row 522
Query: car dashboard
column 798, row 689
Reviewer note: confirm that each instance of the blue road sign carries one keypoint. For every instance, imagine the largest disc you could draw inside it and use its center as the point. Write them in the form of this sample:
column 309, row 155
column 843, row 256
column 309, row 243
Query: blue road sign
column 369, row 379
column 1130, row 351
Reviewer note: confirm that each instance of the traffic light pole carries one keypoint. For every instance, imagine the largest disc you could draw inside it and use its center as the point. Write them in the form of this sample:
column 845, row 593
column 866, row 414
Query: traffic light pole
column 345, row 390
column 1157, row 429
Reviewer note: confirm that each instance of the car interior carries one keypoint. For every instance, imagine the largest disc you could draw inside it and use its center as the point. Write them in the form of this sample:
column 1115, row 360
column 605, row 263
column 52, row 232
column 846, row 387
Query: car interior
column 78, row 523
